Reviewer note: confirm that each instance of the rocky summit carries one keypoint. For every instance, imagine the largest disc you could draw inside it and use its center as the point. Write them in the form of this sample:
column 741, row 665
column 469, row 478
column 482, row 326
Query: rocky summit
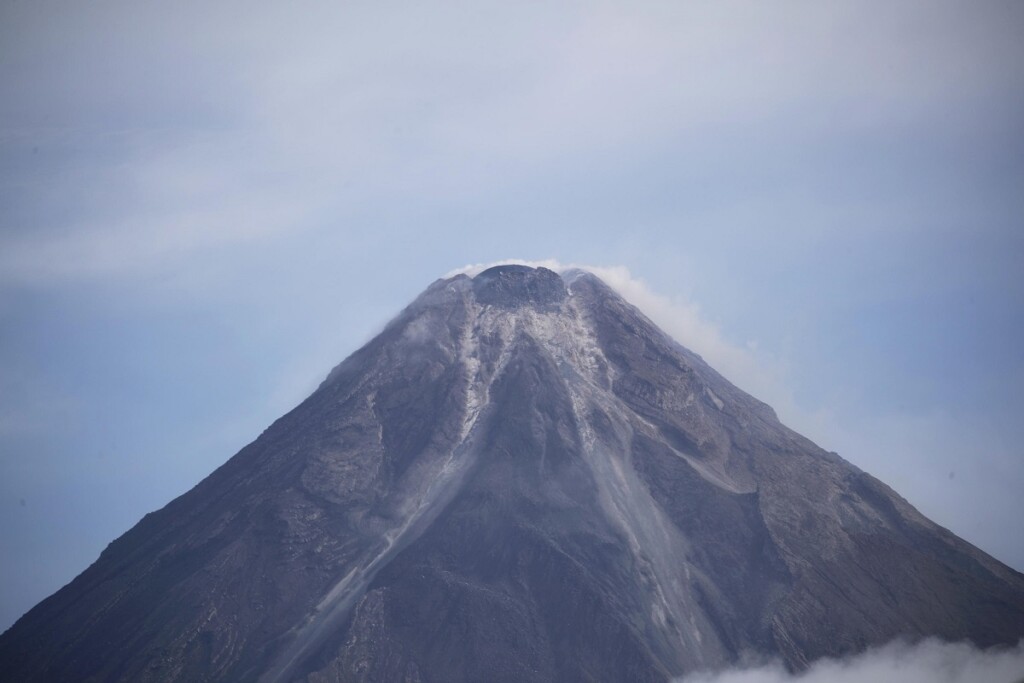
column 520, row 479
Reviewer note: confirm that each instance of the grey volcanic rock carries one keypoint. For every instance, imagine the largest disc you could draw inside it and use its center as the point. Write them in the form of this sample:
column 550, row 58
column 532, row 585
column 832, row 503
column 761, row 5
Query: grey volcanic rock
column 520, row 479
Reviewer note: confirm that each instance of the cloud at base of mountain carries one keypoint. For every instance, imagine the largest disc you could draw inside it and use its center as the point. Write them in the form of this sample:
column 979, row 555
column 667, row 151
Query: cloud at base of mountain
column 929, row 661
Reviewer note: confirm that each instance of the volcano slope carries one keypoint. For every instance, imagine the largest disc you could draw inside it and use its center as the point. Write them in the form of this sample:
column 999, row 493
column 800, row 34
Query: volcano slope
column 520, row 479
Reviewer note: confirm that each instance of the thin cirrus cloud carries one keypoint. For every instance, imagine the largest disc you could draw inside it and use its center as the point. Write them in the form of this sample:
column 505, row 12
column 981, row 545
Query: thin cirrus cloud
column 228, row 136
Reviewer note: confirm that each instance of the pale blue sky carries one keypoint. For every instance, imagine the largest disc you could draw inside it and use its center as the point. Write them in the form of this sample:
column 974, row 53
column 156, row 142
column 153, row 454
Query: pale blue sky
column 204, row 207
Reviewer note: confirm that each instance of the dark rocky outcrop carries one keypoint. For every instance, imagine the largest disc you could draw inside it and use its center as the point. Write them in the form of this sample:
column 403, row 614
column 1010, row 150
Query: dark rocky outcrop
column 512, row 286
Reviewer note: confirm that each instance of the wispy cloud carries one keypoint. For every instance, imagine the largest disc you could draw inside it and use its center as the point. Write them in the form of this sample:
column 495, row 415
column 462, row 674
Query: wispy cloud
column 754, row 371
column 265, row 118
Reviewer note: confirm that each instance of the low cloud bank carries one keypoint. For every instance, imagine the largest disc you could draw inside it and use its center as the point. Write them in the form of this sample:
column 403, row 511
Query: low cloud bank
column 930, row 661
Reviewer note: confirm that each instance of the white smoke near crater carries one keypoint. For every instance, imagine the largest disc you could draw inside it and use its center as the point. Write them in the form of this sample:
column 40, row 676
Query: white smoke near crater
column 929, row 661
column 754, row 371
column 916, row 450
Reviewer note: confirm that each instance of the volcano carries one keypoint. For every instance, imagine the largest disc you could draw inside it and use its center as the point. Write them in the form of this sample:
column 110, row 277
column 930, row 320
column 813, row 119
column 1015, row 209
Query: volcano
column 520, row 479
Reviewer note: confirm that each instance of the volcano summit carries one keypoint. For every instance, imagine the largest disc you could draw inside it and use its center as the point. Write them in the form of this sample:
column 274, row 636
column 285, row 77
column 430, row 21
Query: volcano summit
column 520, row 479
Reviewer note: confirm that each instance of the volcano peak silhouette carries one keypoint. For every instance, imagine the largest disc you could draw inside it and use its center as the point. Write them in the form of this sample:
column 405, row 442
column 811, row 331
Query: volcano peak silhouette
column 520, row 479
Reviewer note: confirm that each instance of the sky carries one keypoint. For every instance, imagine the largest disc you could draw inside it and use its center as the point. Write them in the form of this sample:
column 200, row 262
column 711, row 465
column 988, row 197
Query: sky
column 204, row 206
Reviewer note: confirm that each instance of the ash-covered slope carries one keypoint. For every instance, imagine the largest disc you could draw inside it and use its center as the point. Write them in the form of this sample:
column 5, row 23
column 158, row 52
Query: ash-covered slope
column 520, row 479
